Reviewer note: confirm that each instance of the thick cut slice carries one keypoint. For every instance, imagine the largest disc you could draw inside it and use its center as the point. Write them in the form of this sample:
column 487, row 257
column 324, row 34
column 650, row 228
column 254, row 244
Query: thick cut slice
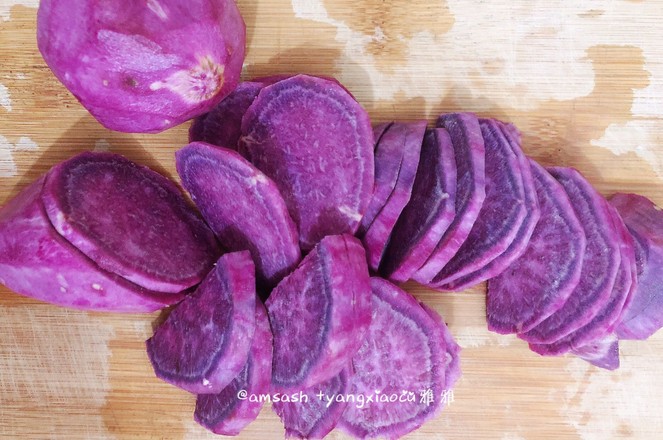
column 222, row 126
column 470, row 155
column 316, row 142
column 319, row 410
column 204, row 343
column 243, row 207
column 503, row 212
column 225, row 413
column 130, row 221
column 643, row 314
column 429, row 212
column 600, row 264
column 319, row 314
column 603, row 353
column 605, row 321
column 452, row 370
column 37, row 262
column 408, row 138
column 403, row 354
column 540, row 281
column 398, row 143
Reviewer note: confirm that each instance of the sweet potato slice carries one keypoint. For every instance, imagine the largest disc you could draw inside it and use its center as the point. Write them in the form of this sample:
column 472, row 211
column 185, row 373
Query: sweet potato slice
column 226, row 413
column 242, row 206
column 315, row 141
column 603, row 353
column 540, row 281
column 129, row 220
column 37, row 262
column 429, row 212
column 643, row 315
column 600, row 263
column 504, row 210
column 222, row 126
column 204, row 343
column 319, row 314
column 404, row 354
column 400, row 144
column 319, row 414
column 470, row 155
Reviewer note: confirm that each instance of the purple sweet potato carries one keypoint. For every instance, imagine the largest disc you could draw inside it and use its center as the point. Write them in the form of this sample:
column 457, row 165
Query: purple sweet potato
column 504, row 210
column 600, row 263
column 222, row 126
column 315, row 141
column 429, row 212
column 643, row 315
column 603, row 353
column 404, row 354
column 400, row 144
column 143, row 66
column 319, row 412
column 243, row 207
column 225, row 413
column 470, row 155
column 540, row 281
column 37, row 262
column 204, row 343
column 502, row 261
column 319, row 314
column 129, row 220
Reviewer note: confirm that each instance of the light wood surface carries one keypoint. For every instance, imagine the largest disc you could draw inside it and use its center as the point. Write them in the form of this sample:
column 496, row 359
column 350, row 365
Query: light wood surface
column 582, row 80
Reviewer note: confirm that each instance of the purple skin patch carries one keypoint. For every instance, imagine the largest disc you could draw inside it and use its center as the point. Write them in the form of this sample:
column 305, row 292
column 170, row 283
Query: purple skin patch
column 130, row 221
column 205, row 341
column 143, row 66
column 600, row 264
column 319, row 314
column 314, row 418
column 224, row 413
column 540, row 281
column 470, row 155
column 404, row 350
column 503, row 212
column 405, row 140
column 604, row 322
column 315, row 142
column 222, row 126
column 643, row 315
column 429, row 212
column 37, row 262
column 243, row 207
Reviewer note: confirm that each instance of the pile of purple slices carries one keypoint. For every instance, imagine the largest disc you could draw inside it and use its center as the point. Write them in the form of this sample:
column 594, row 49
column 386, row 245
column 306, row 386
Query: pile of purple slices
column 317, row 214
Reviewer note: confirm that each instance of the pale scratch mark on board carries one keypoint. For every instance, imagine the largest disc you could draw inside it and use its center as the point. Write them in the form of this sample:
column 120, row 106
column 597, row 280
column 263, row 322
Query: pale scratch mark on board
column 6, row 5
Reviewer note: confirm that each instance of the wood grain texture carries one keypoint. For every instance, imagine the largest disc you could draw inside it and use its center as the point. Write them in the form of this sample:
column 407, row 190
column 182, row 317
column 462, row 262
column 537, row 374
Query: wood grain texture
column 582, row 80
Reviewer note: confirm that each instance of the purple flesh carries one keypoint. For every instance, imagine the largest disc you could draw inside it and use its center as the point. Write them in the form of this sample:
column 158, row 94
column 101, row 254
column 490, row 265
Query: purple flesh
column 205, row 341
column 429, row 212
column 224, row 413
column 540, row 281
column 502, row 262
column 242, row 206
column 36, row 261
column 600, row 264
column 603, row 353
column 314, row 418
column 452, row 370
column 129, row 220
column 316, row 142
column 143, row 66
column 643, row 315
column 407, row 138
column 319, row 314
column 222, row 126
column 503, row 212
column 470, row 155
column 605, row 321
column 403, row 352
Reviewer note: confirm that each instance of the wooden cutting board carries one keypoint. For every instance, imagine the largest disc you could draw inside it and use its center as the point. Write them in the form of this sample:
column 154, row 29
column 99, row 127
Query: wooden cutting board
column 582, row 80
